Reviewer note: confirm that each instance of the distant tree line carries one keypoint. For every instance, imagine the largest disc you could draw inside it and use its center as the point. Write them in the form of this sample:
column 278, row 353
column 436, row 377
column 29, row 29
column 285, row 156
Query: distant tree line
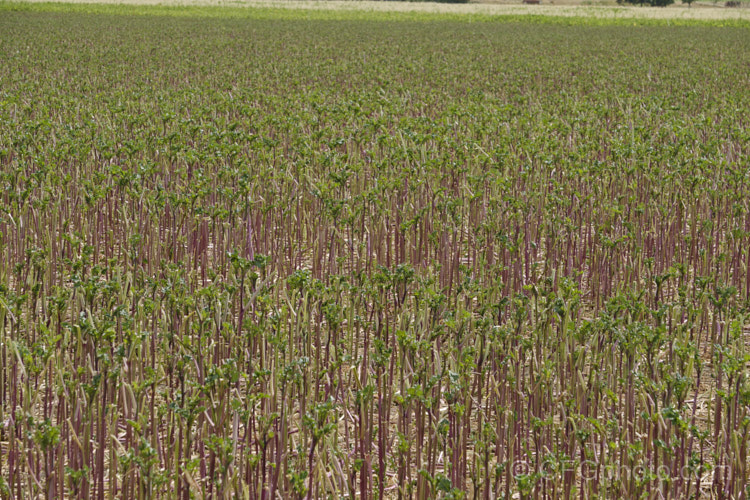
column 652, row 3
column 436, row 1
column 664, row 3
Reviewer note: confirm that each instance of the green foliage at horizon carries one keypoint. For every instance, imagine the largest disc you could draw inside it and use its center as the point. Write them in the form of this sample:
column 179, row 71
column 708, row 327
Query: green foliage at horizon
column 585, row 18
column 652, row 3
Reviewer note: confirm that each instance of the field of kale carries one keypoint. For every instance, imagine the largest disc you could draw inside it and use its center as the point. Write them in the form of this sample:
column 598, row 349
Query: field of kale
column 272, row 258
